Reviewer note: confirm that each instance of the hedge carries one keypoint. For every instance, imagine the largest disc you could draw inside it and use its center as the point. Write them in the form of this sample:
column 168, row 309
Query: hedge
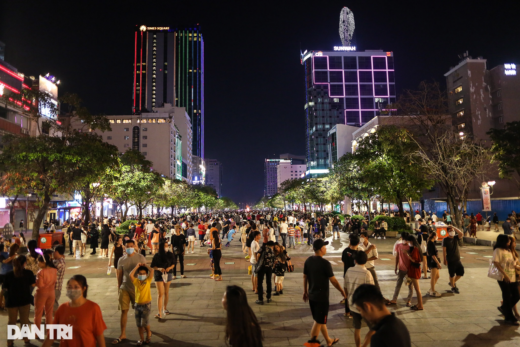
column 394, row 223
column 124, row 227
column 358, row 216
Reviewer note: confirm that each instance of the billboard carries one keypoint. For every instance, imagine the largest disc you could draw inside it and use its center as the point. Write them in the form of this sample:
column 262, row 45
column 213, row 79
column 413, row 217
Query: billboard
column 10, row 80
column 486, row 199
column 48, row 109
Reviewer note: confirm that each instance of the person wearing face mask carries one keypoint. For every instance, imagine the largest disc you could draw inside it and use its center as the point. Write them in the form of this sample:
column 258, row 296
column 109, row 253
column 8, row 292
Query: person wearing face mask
column 386, row 329
column 143, row 300
column 242, row 327
column 83, row 315
column 125, row 285
column 163, row 264
column 450, row 249
column 402, row 264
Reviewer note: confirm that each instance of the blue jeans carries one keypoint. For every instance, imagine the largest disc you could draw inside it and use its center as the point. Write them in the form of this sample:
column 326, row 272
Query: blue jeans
column 291, row 241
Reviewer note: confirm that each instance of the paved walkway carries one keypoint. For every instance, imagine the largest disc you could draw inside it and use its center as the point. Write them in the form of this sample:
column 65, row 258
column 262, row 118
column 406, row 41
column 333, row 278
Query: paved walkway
column 466, row 319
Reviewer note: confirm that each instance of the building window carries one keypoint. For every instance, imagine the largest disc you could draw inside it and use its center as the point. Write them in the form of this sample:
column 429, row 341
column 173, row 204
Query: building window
column 461, row 126
column 500, row 106
column 126, row 129
column 127, row 145
column 112, row 121
column 460, row 113
column 145, row 129
column 109, row 137
column 161, row 120
column 144, row 121
column 458, row 89
column 145, row 137
column 127, row 137
column 145, row 145
column 118, row 121
column 499, row 93
column 145, row 153
column 459, row 101
column 127, row 121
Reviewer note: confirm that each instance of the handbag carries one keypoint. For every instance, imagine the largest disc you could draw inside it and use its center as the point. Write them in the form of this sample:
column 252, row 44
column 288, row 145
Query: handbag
column 493, row 272
column 290, row 268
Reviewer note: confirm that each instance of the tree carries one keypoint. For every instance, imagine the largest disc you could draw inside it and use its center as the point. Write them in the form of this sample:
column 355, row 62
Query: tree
column 386, row 159
column 505, row 150
column 46, row 166
column 451, row 161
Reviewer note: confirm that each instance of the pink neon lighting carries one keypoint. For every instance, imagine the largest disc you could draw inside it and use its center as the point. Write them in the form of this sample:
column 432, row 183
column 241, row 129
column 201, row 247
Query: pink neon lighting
column 11, row 73
column 135, row 68
column 141, row 82
column 26, row 86
column 10, row 88
column 328, row 83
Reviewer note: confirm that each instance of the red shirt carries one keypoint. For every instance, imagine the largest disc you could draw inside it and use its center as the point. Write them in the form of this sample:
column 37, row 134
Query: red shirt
column 86, row 320
column 201, row 229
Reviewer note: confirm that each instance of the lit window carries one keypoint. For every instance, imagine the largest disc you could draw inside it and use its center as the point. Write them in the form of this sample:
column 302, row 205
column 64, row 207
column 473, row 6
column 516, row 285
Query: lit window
column 458, row 89
column 161, row 120
column 118, row 121
column 459, row 101
column 127, row 137
column 461, row 126
column 126, row 129
column 112, row 121
column 460, row 113
column 127, row 121
column 143, row 121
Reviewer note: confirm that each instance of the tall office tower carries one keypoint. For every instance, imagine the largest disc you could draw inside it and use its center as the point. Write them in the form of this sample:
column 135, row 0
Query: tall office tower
column 169, row 69
column 271, row 182
column 343, row 86
column 214, row 171
column 481, row 99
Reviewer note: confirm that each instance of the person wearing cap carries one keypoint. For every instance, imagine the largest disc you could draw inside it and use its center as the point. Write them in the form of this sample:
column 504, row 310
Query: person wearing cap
column 265, row 269
column 317, row 272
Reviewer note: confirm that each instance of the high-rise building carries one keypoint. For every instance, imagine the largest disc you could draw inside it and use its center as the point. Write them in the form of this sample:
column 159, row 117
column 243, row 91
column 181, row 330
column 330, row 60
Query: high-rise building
column 343, row 86
column 271, row 182
column 339, row 142
column 160, row 136
column 214, row 172
column 198, row 171
column 287, row 171
column 169, row 69
column 481, row 99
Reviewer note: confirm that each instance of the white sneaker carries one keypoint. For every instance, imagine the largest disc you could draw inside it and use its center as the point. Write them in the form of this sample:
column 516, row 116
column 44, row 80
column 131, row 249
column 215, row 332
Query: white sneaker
column 384, row 238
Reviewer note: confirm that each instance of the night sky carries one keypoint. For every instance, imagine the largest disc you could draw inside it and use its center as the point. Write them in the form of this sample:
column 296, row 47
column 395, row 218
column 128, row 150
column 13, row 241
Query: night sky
column 254, row 81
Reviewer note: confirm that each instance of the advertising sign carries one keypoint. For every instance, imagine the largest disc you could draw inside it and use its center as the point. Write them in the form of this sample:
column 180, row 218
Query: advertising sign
column 48, row 109
column 486, row 199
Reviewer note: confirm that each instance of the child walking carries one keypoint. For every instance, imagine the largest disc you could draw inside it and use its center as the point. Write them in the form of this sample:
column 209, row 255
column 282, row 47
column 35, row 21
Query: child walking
column 143, row 300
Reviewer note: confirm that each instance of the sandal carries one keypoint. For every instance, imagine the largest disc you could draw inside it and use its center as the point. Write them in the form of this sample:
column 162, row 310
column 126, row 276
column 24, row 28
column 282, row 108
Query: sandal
column 334, row 342
column 166, row 312
column 148, row 339
column 140, row 343
column 408, row 304
column 158, row 316
column 416, row 308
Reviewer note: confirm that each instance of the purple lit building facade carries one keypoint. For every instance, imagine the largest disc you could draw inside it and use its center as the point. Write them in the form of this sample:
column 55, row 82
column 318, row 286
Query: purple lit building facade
column 343, row 87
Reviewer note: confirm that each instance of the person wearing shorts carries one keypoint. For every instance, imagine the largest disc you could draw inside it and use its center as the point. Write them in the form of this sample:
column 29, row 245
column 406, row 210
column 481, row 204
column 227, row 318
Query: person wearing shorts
column 191, row 239
column 450, row 249
column 141, row 277
column 317, row 273
column 201, row 234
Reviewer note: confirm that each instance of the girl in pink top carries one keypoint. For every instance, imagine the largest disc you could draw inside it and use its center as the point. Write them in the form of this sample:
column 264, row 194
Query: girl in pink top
column 45, row 283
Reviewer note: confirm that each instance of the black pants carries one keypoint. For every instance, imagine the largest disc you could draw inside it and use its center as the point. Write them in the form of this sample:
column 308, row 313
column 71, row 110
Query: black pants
column 268, row 273
column 284, row 239
column 510, row 296
column 70, row 245
column 180, row 259
column 217, row 255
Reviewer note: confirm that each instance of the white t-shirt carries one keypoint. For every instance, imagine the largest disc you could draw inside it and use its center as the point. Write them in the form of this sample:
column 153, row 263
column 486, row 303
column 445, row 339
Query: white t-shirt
column 283, row 228
column 255, row 247
column 372, row 253
column 149, row 228
column 291, row 220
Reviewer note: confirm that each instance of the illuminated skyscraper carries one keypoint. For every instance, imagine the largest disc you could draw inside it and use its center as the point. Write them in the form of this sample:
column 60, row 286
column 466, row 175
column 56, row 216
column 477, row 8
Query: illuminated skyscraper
column 169, row 69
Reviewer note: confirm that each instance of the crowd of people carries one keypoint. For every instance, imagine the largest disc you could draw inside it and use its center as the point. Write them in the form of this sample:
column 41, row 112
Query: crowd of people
column 36, row 278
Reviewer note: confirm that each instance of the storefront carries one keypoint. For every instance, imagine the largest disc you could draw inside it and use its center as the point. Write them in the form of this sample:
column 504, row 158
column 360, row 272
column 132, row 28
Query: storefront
column 68, row 210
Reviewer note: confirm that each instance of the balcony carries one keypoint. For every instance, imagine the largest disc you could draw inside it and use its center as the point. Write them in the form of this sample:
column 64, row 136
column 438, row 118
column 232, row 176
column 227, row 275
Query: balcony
column 12, row 128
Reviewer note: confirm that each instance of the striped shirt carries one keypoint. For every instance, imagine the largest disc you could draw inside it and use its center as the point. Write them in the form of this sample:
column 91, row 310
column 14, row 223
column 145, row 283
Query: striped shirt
column 355, row 277
column 291, row 231
column 60, row 265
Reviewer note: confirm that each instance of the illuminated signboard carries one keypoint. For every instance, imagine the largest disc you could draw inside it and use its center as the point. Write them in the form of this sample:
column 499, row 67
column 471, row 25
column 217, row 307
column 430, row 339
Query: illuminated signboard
column 510, row 69
column 318, row 54
column 10, row 80
column 48, row 109
column 144, row 28
column 345, row 48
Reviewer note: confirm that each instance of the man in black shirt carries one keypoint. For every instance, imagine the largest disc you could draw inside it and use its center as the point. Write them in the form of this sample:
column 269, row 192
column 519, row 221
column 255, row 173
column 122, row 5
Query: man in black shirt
column 450, row 249
column 387, row 330
column 317, row 272
column 76, row 238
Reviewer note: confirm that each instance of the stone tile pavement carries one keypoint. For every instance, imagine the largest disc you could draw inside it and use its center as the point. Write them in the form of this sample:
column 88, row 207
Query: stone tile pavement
column 197, row 319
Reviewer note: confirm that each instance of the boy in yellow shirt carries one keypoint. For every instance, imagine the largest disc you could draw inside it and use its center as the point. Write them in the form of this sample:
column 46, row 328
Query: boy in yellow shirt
column 143, row 300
